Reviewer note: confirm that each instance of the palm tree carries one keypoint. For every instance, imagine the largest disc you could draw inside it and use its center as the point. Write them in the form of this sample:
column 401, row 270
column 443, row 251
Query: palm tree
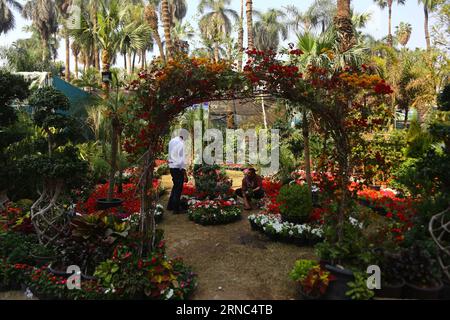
column 241, row 36
column 76, row 50
column 428, row 6
column 7, row 20
column 177, row 11
column 251, row 41
column 63, row 7
column 388, row 3
column 181, row 34
column 135, row 35
column 299, row 21
column 44, row 17
column 344, row 25
column 151, row 16
column 216, row 24
column 403, row 33
column 269, row 28
column 322, row 13
column 165, row 13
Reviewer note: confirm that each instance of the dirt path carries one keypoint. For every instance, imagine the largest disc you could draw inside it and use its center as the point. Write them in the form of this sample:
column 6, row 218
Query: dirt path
column 232, row 261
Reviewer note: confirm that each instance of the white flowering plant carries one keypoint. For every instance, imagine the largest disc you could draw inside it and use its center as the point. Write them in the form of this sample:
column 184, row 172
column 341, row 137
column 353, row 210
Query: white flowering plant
column 274, row 227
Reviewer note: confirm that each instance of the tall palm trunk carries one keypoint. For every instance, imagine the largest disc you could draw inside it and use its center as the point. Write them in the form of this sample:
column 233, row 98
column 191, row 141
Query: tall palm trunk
column 67, row 41
column 427, row 30
column 251, row 41
column 166, row 25
column 390, row 39
column 241, row 36
column 152, row 19
column 76, row 67
column 344, row 25
column 45, row 50
column 129, row 66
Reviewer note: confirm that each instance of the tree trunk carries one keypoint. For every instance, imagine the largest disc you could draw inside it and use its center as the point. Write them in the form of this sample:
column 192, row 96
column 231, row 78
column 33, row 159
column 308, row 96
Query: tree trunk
column 427, row 30
column 114, row 150
column 307, row 152
column 143, row 59
column 76, row 67
column 133, row 64
column 344, row 25
column 147, row 225
column 129, row 64
column 216, row 52
column 405, row 123
column 251, row 42
column 241, row 37
column 45, row 51
column 390, row 40
column 166, row 25
column 67, row 42
column 263, row 107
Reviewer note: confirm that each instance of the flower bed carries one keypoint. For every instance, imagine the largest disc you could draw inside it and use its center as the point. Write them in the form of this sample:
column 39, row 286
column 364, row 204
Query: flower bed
column 274, row 228
column 130, row 277
column 213, row 212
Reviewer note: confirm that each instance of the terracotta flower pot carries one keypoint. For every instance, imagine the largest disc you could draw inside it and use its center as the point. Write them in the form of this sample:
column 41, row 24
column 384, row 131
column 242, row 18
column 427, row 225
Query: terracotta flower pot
column 412, row 291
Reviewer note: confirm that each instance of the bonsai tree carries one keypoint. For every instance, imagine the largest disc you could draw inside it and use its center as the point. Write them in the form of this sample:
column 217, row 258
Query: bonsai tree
column 57, row 171
column 12, row 88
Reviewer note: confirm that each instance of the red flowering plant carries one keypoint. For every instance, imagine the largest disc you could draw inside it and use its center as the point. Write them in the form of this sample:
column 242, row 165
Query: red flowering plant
column 14, row 218
column 131, row 202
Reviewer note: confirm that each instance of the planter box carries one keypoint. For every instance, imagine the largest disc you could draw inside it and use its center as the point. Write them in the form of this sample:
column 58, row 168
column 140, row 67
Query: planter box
column 412, row 291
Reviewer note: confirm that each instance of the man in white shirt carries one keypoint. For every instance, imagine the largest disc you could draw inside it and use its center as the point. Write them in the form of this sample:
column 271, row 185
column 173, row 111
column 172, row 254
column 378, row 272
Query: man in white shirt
column 177, row 165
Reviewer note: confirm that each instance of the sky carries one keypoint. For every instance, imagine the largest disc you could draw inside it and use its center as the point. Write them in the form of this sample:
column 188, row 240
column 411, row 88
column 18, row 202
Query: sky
column 411, row 12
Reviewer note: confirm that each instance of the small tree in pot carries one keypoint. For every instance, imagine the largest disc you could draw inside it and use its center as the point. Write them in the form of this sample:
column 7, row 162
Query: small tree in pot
column 59, row 169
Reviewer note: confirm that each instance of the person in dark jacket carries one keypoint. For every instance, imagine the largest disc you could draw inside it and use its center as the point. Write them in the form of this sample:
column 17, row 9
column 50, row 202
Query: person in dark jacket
column 252, row 188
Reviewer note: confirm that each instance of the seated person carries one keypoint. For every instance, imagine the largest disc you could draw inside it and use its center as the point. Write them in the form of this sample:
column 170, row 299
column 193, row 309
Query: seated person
column 251, row 188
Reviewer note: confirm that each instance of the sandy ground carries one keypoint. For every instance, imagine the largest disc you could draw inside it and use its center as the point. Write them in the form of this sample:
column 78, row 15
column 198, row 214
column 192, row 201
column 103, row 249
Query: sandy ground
column 232, row 261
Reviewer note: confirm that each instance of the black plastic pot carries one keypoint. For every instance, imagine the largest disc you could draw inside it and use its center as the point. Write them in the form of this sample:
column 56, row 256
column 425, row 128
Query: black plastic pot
column 393, row 291
column 445, row 292
column 67, row 275
column 338, row 288
column 103, row 204
column 412, row 291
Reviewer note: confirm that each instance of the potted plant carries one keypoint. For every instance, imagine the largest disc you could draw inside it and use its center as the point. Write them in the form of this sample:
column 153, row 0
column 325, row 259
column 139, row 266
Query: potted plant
column 392, row 282
column 313, row 280
column 422, row 274
column 114, row 110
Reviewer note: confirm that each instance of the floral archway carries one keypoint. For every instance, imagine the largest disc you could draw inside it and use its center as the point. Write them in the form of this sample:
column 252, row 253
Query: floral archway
column 165, row 90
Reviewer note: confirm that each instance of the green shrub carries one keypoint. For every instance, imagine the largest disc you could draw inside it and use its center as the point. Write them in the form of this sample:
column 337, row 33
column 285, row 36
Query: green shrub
column 296, row 203
column 301, row 269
